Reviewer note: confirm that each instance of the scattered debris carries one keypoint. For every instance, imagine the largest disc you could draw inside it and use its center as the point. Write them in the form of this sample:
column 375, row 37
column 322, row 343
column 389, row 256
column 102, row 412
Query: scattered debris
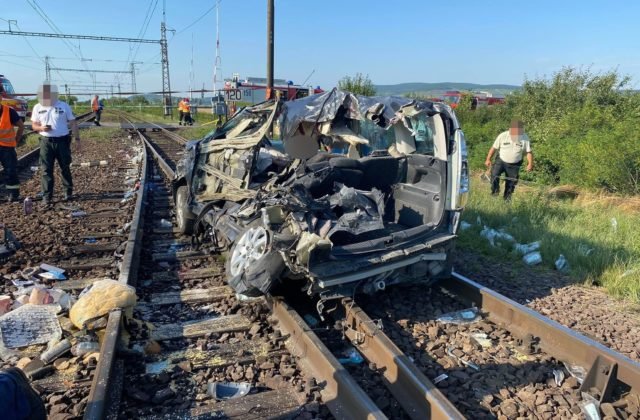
column 558, row 376
column 482, row 339
column 492, row 235
column 55, row 351
column 30, row 324
column 157, row 367
column 584, row 250
column 165, row 223
column 590, row 407
column 311, row 320
column 85, row 347
column 78, row 213
column 465, row 316
column 353, row 357
column 228, row 390
column 532, row 258
column 461, row 360
column 562, row 264
column 464, row 225
column 527, row 248
column 5, row 304
column 576, row 371
column 440, row 378
column 614, row 225
column 10, row 243
column 99, row 299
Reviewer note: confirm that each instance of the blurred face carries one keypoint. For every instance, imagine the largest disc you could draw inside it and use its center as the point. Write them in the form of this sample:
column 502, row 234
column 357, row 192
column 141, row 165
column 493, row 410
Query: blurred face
column 516, row 129
column 47, row 94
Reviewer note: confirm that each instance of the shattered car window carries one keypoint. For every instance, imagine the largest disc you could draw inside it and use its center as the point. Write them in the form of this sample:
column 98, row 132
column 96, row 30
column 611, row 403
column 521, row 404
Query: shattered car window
column 246, row 123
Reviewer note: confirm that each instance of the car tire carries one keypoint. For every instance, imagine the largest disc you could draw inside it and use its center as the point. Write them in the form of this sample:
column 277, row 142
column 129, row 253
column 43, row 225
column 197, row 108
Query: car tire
column 184, row 217
column 251, row 266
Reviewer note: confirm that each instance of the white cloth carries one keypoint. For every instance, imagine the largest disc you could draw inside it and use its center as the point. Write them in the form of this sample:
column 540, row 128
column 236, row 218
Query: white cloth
column 57, row 116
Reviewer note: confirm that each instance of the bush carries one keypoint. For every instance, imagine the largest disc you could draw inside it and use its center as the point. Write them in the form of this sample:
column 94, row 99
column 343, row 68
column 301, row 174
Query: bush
column 583, row 127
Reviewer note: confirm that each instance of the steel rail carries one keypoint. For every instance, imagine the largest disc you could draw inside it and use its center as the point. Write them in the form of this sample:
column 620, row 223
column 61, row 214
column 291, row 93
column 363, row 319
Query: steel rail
column 340, row 392
column 417, row 395
column 101, row 395
column 606, row 367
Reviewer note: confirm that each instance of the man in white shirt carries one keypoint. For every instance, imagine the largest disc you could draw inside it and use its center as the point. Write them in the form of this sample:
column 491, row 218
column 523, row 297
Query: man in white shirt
column 511, row 145
column 52, row 117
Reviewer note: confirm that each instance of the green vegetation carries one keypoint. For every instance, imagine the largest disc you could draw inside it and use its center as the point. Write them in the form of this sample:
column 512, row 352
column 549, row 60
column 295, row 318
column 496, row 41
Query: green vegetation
column 359, row 84
column 583, row 127
column 600, row 241
column 584, row 131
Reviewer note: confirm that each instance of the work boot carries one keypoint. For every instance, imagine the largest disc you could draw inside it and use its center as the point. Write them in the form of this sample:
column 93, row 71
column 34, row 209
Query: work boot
column 23, row 388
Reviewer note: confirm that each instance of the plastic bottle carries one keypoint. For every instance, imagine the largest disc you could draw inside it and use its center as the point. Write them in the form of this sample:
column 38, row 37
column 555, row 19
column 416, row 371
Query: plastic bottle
column 28, row 205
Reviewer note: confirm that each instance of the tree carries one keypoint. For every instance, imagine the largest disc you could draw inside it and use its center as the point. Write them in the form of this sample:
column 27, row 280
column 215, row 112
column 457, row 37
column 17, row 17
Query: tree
column 359, row 84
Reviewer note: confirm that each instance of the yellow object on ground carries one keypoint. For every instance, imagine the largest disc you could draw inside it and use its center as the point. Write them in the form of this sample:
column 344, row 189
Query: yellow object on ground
column 103, row 297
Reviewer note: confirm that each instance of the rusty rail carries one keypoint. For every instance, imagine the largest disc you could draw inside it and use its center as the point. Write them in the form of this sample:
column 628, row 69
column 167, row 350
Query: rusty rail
column 340, row 392
column 101, row 395
column 418, row 396
column 606, row 368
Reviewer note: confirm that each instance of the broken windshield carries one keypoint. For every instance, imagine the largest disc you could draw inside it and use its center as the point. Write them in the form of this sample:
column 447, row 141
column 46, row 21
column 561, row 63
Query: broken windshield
column 245, row 123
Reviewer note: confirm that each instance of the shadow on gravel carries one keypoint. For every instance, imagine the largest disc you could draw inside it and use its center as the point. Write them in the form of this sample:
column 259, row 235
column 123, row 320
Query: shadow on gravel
column 481, row 380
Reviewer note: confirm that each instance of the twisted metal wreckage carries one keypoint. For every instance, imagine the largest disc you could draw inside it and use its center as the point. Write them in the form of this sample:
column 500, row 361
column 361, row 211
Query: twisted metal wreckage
column 362, row 192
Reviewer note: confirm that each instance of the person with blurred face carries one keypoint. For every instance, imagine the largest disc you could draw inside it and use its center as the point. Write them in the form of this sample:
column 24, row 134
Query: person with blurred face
column 97, row 109
column 52, row 117
column 511, row 145
column 8, row 142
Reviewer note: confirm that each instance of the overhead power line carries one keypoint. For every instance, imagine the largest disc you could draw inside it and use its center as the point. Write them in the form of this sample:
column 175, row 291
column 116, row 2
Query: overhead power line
column 92, row 37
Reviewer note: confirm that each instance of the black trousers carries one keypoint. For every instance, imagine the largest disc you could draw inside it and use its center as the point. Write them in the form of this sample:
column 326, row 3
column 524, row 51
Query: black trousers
column 98, row 114
column 181, row 115
column 9, row 161
column 512, row 171
column 51, row 150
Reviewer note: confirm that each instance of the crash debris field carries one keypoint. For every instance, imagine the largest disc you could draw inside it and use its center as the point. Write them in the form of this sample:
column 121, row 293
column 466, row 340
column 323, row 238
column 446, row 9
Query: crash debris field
column 298, row 262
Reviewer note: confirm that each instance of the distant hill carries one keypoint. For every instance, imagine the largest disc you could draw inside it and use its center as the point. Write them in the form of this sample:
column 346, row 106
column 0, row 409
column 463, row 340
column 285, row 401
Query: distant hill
column 439, row 88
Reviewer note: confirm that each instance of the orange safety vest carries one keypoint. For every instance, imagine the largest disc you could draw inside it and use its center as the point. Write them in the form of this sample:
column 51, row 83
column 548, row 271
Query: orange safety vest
column 186, row 107
column 7, row 134
column 181, row 106
column 95, row 105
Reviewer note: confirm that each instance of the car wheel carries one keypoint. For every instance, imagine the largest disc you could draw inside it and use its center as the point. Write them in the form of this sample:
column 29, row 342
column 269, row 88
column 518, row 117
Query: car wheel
column 184, row 218
column 252, row 267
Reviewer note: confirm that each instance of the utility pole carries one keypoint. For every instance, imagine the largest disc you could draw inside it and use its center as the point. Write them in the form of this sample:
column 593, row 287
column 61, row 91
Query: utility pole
column 166, row 82
column 270, row 36
column 47, row 69
column 133, row 77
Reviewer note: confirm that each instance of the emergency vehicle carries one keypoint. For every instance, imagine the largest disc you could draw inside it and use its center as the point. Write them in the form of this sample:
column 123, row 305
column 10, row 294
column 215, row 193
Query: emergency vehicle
column 7, row 97
column 253, row 89
column 453, row 97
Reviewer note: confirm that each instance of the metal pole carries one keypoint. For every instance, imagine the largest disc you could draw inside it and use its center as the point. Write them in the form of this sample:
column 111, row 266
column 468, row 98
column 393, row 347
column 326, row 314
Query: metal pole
column 270, row 35
column 47, row 69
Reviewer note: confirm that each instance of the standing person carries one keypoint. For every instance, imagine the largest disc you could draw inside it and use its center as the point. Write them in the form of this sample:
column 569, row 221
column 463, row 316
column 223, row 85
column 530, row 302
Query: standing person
column 186, row 110
column 96, row 107
column 9, row 118
column 51, row 117
column 510, row 144
column 181, row 110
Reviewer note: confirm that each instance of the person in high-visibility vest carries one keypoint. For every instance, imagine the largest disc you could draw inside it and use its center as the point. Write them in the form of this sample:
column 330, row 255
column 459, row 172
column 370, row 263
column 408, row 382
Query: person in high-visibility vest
column 9, row 118
column 96, row 107
column 186, row 111
column 181, row 111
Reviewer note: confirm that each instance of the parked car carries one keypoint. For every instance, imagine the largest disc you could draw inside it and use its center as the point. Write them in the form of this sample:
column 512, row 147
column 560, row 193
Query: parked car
column 361, row 193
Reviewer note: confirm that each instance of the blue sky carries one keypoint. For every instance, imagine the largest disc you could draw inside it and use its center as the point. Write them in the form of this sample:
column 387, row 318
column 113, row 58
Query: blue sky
column 398, row 41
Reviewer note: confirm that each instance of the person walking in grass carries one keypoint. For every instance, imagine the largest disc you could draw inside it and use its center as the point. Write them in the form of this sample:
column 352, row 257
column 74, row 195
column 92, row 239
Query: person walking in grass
column 511, row 145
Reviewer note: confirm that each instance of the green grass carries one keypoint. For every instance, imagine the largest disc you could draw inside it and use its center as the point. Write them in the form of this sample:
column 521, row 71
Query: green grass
column 598, row 252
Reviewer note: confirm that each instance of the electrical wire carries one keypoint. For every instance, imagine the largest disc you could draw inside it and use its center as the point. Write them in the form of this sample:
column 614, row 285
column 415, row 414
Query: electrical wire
column 200, row 18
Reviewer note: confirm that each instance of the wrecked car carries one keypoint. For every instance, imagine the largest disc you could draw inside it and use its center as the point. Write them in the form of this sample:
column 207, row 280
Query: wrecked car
column 359, row 193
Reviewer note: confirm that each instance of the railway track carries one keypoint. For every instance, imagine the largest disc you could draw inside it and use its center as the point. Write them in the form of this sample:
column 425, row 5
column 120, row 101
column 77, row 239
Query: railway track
column 189, row 331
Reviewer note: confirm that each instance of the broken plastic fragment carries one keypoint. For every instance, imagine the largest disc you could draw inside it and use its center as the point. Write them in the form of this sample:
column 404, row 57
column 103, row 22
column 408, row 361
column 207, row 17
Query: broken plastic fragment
column 353, row 357
column 562, row 264
column 482, row 339
column 85, row 347
column 55, row 351
column 157, row 367
column 90, row 241
column 440, row 378
column 576, row 371
column 78, row 213
column 461, row 360
column 165, row 223
column 465, row 316
column 29, row 325
column 558, row 376
column 228, row 390
column 532, row 258
column 464, row 225
column 49, row 275
column 590, row 407
column 527, row 248
column 51, row 268
column 35, row 168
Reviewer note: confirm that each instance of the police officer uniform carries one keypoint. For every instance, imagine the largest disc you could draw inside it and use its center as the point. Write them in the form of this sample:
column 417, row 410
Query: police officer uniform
column 510, row 149
column 8, row 142
column 55, row 144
